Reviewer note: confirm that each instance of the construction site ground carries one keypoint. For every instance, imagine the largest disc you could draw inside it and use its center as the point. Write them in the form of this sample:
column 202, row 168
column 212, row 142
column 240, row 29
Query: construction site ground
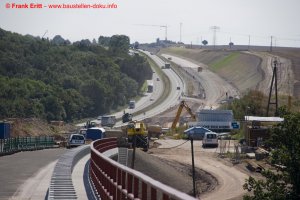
column 169, row 161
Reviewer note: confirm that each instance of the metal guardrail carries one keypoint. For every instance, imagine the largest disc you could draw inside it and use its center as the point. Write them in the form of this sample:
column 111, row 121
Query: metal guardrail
column 61, row 185
column 12, row 145
column 112, row 180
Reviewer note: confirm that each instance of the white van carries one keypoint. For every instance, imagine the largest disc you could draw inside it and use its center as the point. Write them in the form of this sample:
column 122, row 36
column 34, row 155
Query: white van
column 210, row 139
column 75, row 140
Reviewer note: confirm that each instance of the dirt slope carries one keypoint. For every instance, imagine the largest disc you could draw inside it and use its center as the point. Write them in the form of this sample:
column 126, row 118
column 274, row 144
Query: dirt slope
column 36, row 127
column 249, row 70
column 294, row 56
column 240, row 69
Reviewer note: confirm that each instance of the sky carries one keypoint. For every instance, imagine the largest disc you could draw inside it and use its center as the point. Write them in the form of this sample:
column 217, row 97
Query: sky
column 239, row 21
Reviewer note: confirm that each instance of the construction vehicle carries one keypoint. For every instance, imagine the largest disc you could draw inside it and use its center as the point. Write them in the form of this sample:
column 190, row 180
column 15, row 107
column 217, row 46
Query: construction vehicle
column 131, row 104
column 127, row 117
column 154, row 131
column 137, row 134
column 108, row 120
column 167, row 65
column 181, row 106
column 90, row 124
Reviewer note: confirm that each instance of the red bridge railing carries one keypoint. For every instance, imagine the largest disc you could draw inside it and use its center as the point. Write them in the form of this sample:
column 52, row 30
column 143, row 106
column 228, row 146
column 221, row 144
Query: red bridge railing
column 112, row 180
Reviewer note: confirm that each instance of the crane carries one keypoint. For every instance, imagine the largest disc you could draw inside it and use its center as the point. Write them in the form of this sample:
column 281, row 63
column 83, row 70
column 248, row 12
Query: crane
column 162, row 26
column 44, row 34
column 181, row 106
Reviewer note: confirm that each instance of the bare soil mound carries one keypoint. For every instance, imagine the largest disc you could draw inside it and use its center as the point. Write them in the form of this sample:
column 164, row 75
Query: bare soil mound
column 37, row 127
column 174, row 174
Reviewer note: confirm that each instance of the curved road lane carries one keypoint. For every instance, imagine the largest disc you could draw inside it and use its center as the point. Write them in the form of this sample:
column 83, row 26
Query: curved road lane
column 214, row 86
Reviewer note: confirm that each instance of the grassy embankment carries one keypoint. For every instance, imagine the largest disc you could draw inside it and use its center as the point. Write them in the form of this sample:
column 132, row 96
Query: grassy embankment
column 240, row 69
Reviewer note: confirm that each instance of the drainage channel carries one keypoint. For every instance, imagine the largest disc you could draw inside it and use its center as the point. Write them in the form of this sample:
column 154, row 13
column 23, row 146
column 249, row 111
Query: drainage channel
column 61, row 185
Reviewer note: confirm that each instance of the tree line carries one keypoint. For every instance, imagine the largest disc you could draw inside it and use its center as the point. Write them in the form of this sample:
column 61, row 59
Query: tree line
column 57, row 80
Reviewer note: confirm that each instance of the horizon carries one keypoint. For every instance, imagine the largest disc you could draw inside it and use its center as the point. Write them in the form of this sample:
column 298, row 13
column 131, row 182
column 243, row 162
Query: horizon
column 241, row 22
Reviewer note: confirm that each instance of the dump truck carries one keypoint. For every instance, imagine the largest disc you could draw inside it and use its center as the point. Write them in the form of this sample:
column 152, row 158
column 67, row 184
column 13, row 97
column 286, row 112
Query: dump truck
column 137, row 134
column 154, row 131
column 108, row 120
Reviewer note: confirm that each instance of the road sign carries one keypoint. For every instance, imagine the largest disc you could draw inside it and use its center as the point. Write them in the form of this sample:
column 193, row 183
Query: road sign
column 235, row 125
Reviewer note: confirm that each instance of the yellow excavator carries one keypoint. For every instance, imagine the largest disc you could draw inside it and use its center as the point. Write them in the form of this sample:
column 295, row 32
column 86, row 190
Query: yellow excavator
column 181, row 106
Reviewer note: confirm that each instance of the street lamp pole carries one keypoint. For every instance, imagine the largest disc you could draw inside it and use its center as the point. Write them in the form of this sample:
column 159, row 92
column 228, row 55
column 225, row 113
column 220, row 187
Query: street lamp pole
column 193, row 168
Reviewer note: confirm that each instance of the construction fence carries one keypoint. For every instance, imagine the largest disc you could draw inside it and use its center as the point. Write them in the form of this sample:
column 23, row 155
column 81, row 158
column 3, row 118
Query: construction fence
column 13, row 145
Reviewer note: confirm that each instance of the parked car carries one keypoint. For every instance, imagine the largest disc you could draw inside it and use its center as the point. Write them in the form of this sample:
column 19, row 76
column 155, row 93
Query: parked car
column 197, row 133
column 75, row 140
column 210, row 139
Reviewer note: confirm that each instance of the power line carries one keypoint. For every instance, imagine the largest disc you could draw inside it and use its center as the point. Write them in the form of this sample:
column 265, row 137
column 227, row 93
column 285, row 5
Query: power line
column 214, row 29
column 162, row 26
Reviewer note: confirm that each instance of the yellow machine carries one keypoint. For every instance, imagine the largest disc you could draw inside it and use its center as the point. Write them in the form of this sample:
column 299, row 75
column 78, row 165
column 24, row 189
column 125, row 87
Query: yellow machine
column 181, row 106
column 137, row 133
column 136, row 128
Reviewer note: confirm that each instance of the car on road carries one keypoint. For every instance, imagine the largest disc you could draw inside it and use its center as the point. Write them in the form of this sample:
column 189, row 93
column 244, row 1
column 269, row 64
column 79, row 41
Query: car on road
column 157, row 79
column 178, row 88
column 75, row 140
column 210, row 139
column 197, row 133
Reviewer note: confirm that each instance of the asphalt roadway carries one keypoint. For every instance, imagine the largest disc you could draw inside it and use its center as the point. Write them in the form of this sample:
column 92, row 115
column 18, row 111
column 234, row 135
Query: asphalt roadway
column 15, row 169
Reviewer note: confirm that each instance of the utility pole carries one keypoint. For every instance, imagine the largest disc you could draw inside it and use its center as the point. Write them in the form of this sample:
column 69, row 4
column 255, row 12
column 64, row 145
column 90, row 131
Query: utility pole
column 274, row 79
column 214, row 29
column 166, row 27
column 249, row 43
column 290, row 91
column 133, row 152
column 271, row 43
column 201, row 42
column 193, row 168
column 180, row 31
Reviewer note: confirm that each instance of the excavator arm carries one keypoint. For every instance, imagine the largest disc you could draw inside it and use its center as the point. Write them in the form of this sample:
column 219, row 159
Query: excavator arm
column 181, row 106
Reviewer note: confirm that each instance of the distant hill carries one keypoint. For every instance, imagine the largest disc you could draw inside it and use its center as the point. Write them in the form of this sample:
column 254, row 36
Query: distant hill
column 57, row 80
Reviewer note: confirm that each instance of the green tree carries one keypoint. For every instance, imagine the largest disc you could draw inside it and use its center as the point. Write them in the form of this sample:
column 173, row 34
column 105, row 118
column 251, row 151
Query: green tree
column 285, row 183
column 252, row 103
column 119, row 44
column 58, row 81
